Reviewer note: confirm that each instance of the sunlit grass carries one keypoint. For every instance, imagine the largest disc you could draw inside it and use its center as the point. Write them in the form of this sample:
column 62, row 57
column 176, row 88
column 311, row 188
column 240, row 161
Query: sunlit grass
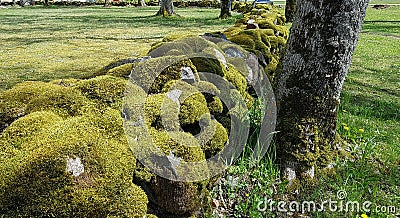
column 59, row 42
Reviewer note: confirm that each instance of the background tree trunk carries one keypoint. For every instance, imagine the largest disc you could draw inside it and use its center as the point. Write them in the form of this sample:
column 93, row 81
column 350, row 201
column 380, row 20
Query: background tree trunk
column 107, row 3
column 142, row 3
column 166, row 8
column 290, row 10
column 225, row 9
column 318, row 56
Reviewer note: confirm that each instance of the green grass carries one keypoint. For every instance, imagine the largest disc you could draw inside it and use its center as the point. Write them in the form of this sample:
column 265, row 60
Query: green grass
column 58, row 42
column 385, row 2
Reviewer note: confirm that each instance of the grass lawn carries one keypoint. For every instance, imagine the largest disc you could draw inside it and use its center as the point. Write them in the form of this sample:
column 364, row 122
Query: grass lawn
column 60, row 42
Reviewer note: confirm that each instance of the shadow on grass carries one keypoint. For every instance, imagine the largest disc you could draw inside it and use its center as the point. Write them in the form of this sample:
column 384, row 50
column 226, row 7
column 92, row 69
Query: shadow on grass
column 366, row 106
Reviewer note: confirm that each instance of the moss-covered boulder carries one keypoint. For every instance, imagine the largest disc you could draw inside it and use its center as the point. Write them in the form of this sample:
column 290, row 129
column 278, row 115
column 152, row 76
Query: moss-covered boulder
column 104, row 90
column 78, row 167
column 28, row 97
column 261, row 31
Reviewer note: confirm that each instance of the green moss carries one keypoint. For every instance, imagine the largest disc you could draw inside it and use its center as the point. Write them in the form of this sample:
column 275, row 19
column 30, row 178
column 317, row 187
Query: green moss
column 218, row 140
column 37, row 183
column 29, row 97
column 193, row 108
column 181, row 144
column 311, row 149
column 207, row 88
column 156, row 72
column 208, row 65
column 193, row 105
column 243, row 40
column 143, row 174
column 215, row 106
column 239, row 81
column 65, row 82
column 161, row 112
column 103, row 90
column 269, row 39
column 27, row 127
column 121, row 71
column 165, row 49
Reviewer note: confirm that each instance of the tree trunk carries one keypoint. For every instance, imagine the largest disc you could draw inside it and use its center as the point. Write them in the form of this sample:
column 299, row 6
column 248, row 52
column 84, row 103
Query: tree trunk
column 225, row 9
column 107, row 3
column 46, row 3
column 166, row 8
column 290, row 10
column 318, row 56
column 141, row 3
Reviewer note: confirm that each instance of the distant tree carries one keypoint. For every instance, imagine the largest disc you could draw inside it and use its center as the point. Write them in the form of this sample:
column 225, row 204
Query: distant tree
column 226, row 6
column 141, row 3
column 107, row 3
column 290, row 10
column 318, row 56
column 166, row 8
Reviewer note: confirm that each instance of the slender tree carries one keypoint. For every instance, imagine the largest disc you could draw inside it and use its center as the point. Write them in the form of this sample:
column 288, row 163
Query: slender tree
column 166, row 8
column 141, row 3
column 226, row 6
column 290, row 10
column 107, row 3
column 323, row 37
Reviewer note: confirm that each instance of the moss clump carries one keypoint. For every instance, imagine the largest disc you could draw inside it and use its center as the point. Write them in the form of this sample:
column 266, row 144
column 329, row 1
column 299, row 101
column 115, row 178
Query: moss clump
column 119, row 68
column 121, row 71
column 215, row 106
column 28, row 127
column 239, row 81
column 65, row 82
column 154, row 73
column 193, row 108
column 164, row 49
column 219, row 137
column 193, row 105
column 180, row 144
column 263, row 32
column 103, row 90
column 161, row 112
column 208, row 65
column 29, row 97
column 42, row 182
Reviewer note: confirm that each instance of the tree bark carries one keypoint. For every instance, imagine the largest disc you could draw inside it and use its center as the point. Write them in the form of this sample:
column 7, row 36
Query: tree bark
column 318, row 56
column 166, row 8
column 226, row 6
column 290, row 10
